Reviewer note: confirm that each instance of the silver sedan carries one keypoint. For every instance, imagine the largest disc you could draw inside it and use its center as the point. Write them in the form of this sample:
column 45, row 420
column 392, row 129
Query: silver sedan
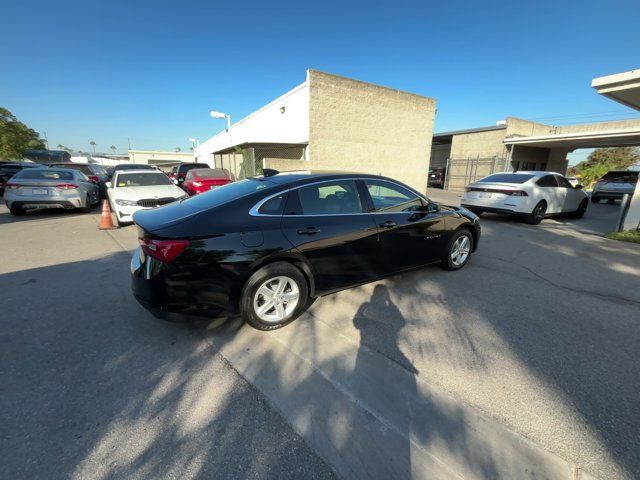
column 40, row 188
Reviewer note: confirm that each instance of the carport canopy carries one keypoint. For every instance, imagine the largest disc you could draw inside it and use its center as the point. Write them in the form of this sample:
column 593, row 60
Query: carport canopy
column 622, row 87
column 587, row 139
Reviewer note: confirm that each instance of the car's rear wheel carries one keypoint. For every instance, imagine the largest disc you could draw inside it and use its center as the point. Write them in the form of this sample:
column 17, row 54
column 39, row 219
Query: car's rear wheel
column 582, row 209
column 18, row 212
column 274, row 296
column 595, row 200
column 538, row 213
column 458, row 250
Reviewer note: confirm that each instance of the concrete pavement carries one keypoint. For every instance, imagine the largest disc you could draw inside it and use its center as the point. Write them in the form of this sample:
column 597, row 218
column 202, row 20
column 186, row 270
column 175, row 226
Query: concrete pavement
column 93, row 387
column 523, row 364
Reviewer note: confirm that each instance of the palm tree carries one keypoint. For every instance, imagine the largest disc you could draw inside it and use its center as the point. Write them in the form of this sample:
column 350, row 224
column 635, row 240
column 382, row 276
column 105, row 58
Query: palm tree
column 113, row 147
column 93, row 144
column 60, row 147
column 178, row 149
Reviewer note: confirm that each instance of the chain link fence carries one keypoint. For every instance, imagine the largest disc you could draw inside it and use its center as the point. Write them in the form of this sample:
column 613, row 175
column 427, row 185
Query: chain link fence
column 249, row 161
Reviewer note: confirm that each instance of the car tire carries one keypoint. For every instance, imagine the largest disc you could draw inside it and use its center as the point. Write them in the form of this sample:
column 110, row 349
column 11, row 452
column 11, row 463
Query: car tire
column 462, row 239
column 582, row 209
column 275, row 287
column 17, row 212
column 87, row 205
column 595, row 200
column 537, row 214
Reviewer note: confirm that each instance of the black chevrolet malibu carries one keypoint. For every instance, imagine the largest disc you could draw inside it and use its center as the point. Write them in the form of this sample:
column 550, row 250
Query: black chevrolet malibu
column 265, row 246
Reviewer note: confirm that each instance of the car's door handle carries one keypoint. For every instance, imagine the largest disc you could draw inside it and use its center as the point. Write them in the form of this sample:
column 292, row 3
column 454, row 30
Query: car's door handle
column 388, row 224
column 309, row 231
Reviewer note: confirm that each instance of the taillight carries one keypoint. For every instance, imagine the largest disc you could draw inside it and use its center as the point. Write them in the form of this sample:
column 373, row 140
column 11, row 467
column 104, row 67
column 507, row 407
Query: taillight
column 12, row 186
column 164, row 250
column 197, row 184
column 94, row 178
column 66, row 186
column 516, row 193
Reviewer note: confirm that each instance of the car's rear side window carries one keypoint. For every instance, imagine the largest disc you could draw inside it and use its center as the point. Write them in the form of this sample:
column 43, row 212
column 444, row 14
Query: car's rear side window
column 327, row 198
column 547, row 181
column 273, row 206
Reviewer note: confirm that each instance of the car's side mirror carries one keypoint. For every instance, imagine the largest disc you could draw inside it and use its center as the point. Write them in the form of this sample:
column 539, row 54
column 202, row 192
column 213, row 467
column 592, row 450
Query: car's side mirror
column 108, row 184
column 579, row 187
column 433, row 207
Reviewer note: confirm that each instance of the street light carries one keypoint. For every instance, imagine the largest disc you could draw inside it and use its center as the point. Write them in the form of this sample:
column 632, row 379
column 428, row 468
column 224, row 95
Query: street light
column 222, row 115
column 194, row 142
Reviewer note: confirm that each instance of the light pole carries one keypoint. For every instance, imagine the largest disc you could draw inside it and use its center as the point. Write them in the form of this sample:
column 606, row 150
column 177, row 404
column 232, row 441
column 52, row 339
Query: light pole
column 222, row 115
column 194, row 142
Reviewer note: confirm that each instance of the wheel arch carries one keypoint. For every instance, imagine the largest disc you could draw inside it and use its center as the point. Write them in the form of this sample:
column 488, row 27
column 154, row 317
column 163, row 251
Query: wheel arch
column 294, row 259
column 475, row 234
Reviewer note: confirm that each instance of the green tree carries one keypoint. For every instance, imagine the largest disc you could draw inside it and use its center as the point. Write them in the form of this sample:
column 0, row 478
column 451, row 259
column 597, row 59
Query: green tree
column 16, row 137
column 601, row 160
column 93, row 144
column 113, row 147
column 178, row 149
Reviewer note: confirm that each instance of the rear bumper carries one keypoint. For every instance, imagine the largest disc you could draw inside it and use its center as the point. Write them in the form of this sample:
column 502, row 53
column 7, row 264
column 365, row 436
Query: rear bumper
column 503, row 211
column 610, row 195
column 42, row 204
column 165, row 294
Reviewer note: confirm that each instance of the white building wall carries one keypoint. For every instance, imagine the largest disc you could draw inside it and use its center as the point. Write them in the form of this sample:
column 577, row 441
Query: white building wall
column 267, row 125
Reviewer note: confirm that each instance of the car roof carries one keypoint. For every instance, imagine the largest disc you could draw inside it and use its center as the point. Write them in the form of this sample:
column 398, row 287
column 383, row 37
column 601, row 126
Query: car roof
column 147, row 171
column 532, row 172
column 304, row 176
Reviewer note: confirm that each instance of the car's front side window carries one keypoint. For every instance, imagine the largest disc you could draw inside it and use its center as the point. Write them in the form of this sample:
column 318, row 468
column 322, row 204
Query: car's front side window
column 389, row 197
column 328, row 198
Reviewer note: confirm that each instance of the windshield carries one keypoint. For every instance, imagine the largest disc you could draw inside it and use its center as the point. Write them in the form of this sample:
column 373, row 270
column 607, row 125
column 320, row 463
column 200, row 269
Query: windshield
column 43, row 174
column 142, row 179
column 83, row 168
column 626, row 177
column 507, row 178
column 226, row 193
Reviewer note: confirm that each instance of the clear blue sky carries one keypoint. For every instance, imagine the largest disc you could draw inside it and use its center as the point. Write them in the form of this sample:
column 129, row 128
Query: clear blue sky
column 151, row 71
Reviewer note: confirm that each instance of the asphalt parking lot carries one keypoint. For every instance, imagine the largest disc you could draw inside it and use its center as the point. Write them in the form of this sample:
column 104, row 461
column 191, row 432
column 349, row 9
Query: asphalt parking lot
column 523, row 363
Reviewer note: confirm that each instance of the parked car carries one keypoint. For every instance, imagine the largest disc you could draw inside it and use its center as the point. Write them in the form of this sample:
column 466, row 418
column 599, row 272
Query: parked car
column 533, row 195
column 200, row 180
column 9, row 169
column 574, row 181
column 40, row 188
column 614, row 184
column 181, row 171
column 96, row 173
column 133, row 190
column 436, row 177
column 264, row 246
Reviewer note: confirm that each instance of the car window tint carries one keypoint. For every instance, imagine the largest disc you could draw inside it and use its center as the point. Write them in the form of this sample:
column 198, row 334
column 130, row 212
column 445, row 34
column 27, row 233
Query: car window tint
column 330, row 198
column 563, row 182
column 547, row 181
column 142, row 179
column 389, row 197
column 507, row 178
column 44, row 174
column 273, row 206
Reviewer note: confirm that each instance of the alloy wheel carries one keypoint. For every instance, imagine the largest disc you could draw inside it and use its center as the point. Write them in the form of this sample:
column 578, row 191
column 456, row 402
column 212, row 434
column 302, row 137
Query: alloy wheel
column 276, row 299
column 460, row 250
column 539, row 212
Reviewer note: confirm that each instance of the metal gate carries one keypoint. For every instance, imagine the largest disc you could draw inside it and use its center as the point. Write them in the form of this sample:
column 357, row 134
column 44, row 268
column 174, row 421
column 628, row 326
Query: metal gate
column 463, row 171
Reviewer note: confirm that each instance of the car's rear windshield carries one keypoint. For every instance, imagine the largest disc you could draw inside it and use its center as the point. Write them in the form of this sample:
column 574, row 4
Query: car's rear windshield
column 83, row 168
column 226, row 193
column 142, row 179
column 507, row 178
column 210, row 173
column 189, row 166
column 621, row 176
column 142, row 166
column 43, row 174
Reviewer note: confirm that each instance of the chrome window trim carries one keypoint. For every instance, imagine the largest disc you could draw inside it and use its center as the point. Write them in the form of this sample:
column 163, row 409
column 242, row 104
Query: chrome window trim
column 255, row 213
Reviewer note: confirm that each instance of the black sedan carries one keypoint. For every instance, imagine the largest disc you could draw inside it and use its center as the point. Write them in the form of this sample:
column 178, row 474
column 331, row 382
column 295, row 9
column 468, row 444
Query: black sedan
column 265, row 246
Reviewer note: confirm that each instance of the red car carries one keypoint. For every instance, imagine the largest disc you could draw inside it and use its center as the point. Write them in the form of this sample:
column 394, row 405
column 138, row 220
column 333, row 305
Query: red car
column 202, row 180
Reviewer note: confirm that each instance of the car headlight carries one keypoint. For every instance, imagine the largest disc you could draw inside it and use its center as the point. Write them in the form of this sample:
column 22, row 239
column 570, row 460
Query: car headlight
column 126, row 203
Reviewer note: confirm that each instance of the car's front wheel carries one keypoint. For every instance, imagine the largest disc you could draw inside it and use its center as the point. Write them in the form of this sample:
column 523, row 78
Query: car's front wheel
column 458, row 250
column 274, row 296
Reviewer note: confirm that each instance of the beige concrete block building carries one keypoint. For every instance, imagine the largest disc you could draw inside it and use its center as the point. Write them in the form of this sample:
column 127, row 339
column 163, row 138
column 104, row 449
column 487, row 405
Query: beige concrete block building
column 163, row 160
column 332, row 123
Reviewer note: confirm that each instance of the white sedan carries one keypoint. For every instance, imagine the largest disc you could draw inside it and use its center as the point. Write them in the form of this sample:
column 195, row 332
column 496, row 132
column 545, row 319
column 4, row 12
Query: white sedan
column 133, row 190
column 534, row 195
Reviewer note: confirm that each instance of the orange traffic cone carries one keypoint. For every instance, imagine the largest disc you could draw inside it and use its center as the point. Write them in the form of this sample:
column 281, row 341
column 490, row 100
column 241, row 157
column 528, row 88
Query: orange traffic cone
column 106, row 222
